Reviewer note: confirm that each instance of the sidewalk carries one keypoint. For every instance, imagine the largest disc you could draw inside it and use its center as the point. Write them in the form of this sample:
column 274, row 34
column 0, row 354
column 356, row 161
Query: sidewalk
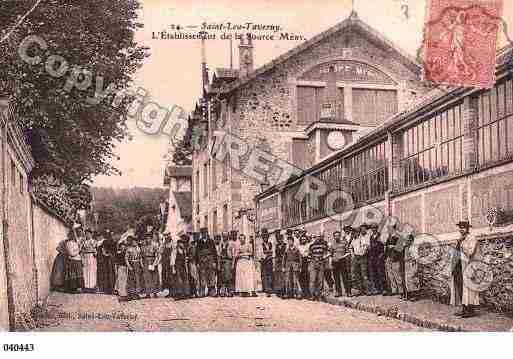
column 427, row 314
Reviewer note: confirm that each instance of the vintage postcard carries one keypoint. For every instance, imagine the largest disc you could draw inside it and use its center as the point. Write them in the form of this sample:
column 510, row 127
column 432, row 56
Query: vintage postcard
column 255, row 166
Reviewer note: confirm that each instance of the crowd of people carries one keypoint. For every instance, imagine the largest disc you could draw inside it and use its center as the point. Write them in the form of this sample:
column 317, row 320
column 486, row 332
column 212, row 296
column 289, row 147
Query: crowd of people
column 354, row 261
column 86, row 262
column 292, row 265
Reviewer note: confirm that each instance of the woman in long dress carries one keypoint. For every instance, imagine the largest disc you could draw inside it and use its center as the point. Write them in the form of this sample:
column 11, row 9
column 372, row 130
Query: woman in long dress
column 57, row 277
column 122, row 272
column 106, row 265
column 167, row 273
column 150, row 252
column 245, row 269
column 134, row 265
column 88, row 252
column 73, row 272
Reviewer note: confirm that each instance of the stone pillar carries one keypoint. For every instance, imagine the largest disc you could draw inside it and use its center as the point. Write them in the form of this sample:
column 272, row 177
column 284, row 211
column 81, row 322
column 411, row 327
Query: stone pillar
column 470, row 119
column 403, row 96
column 280, row 208
column 348, row 103
column 317, row 146
column 396, row 172
column 330, row 98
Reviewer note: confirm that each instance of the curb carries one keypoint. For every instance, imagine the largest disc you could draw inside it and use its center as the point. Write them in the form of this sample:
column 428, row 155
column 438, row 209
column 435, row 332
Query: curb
column 394, row 313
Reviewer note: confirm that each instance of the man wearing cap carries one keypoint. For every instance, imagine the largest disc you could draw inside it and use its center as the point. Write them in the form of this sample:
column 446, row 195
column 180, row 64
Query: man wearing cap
column 359, row 250
column 376, row 261
column 267, row 263
column 341, row 263
column 207, row 260
column 462, row 284
column 393, row 258
column 167, row 275
column 217, row 275
column 318, row 254
column 296, row 235
column 291, row 263
column 192, row 264
column 279, row 253
column 226, row 256
column 328, row 268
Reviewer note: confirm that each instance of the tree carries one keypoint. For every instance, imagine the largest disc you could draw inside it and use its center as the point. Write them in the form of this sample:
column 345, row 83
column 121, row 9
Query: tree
column 71, row 139
column 119, row 208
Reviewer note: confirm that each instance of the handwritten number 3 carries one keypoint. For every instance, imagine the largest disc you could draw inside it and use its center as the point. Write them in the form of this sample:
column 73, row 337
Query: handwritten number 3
column 406, row 11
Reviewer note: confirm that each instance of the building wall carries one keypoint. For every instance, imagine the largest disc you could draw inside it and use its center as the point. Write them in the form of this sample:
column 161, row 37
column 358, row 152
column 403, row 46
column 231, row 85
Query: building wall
column 29, row 235
column 49, row 231
column 4, row 309
column 432, row 208
column 266, row 107
column 264, row 114
column 21, row 250
column 173, row 217
column 435, row 210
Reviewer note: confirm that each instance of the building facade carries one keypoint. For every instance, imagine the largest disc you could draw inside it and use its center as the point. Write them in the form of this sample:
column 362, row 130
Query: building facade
column 446, row 158
column 302, row 107
column 179, row 217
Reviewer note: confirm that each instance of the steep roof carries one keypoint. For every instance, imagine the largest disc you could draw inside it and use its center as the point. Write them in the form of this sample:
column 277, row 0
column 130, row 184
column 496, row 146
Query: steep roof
column 18, row 141
column 179, row 171
column 352, row 22
column 176, row 171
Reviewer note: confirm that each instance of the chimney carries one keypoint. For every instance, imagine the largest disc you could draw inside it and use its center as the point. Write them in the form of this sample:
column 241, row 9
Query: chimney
column 204, row 70
column 231, row 54
column 245, row 56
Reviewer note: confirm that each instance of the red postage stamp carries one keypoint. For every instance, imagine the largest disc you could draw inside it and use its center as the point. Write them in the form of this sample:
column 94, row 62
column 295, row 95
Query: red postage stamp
column 460, row 43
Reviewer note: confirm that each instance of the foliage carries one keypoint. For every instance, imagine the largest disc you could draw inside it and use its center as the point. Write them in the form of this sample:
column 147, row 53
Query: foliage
column 182, row 151
column 72, row 141
column 55, row 195
column 119, row 208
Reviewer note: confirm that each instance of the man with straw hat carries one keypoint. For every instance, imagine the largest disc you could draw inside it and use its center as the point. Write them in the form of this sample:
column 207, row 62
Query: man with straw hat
column 463, row 283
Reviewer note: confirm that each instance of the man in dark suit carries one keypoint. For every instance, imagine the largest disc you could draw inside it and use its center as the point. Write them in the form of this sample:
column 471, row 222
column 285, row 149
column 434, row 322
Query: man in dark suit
column 376, row 263
column 279, row 253
column 267, row 263
column 207, row 262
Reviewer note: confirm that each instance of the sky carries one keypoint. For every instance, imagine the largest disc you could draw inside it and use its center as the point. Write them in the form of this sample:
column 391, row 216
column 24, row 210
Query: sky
column 172, row 73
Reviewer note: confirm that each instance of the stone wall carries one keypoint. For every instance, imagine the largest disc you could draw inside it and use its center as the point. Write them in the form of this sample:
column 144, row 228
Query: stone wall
column 20, row 248
column 263, row 112
column 4, row 310
column 49, row 231
column 497, row 286
column 28, row 237
column 267, row 106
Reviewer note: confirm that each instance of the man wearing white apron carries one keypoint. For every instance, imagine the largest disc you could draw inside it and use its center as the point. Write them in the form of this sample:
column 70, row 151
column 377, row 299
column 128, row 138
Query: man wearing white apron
column 463, row 282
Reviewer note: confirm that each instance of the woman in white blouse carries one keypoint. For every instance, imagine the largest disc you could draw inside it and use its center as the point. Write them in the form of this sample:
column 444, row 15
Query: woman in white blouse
column 245, row 270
